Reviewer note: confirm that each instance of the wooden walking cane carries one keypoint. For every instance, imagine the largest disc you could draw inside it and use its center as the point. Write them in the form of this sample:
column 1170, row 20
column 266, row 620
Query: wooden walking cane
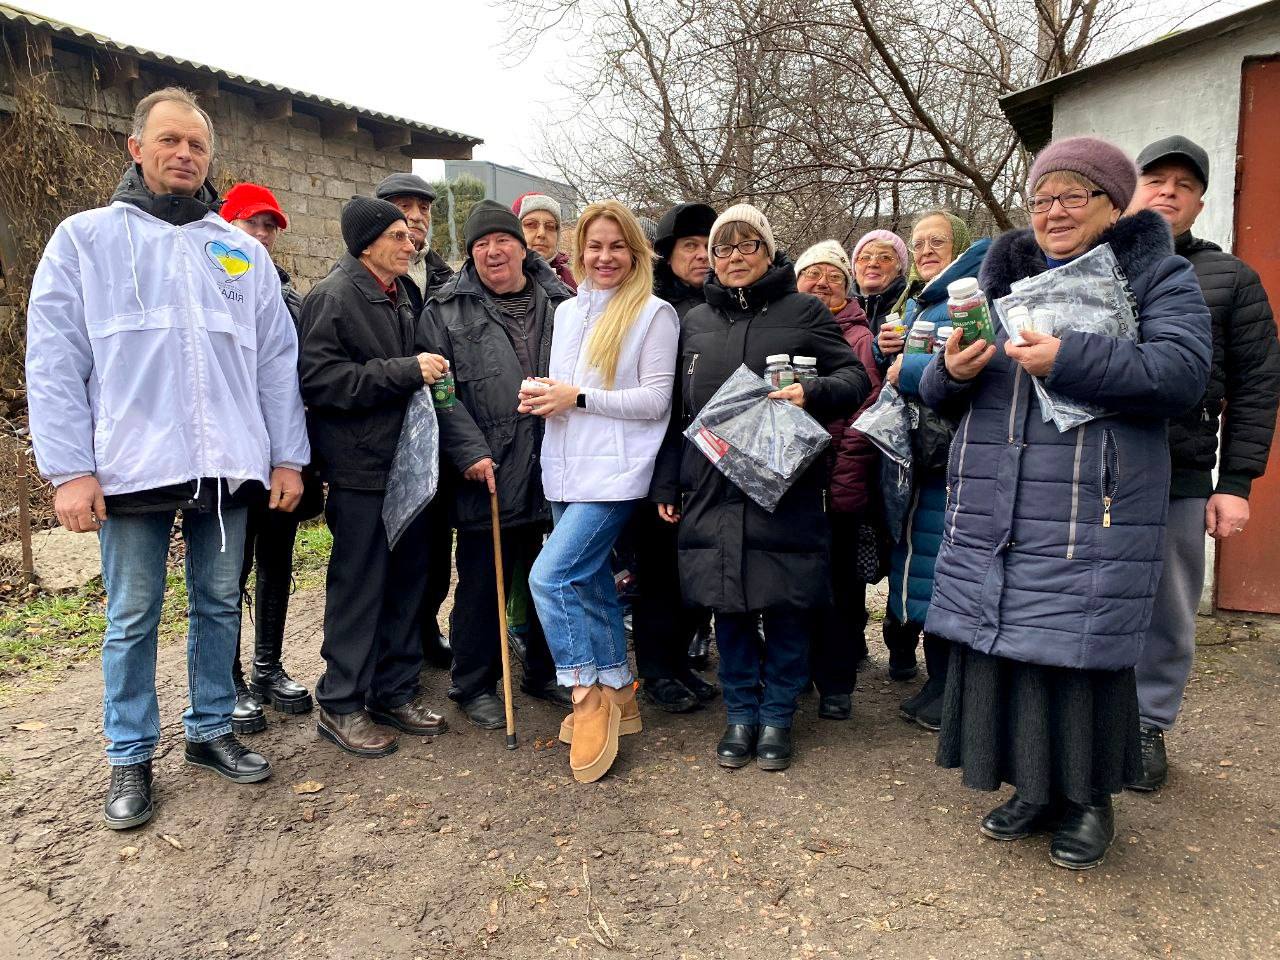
column 502, row 620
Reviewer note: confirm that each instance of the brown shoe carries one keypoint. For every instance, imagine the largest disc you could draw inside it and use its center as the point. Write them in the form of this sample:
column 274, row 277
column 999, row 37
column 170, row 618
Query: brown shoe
column 627, row 703
column 595, row 736
column 414, row 718
column 356, row 733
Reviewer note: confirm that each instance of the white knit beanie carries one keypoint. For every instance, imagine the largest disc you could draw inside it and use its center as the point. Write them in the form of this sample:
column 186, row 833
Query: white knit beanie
column 539, row 201
column 753, row 218
column 829, row 252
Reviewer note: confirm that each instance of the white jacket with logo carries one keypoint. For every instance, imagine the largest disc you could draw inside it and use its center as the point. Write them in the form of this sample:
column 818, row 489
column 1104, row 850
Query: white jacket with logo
column 606, row 452
column 159, row 354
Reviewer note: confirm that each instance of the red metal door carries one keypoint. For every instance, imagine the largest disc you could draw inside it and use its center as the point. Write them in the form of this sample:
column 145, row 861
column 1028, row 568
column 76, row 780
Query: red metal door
column 1248, row 565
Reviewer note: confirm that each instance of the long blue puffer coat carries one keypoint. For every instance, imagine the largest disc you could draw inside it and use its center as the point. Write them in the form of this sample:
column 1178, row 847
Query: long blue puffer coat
column 1052, row 542
column 912, row 561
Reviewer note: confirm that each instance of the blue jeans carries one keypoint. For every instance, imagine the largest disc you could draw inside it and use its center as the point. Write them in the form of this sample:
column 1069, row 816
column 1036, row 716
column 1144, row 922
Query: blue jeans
column 762, row 679
column 572, row 587
column 135, row 549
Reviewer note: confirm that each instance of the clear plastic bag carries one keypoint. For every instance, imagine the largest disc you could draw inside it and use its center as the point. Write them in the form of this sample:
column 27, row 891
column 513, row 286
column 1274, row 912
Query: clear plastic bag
column 761, row 445
column 1087, row 295
column 888, row 423
column 415, row 469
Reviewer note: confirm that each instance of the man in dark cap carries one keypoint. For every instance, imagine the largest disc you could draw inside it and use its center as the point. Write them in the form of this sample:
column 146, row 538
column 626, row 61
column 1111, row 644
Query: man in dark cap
column 493, row 323
column 360, row 363
column 1245, row 381
column 414, row 196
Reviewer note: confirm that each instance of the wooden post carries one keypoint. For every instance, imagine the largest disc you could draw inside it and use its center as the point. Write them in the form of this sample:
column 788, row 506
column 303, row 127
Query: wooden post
column 24, row 515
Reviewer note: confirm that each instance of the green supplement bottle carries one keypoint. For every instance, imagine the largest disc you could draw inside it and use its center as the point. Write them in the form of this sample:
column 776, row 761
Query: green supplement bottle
column 443, row 391
column 968, row 309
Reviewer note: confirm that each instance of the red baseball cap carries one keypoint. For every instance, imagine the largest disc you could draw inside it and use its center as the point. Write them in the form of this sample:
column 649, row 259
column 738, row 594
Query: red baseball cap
column 246, row 200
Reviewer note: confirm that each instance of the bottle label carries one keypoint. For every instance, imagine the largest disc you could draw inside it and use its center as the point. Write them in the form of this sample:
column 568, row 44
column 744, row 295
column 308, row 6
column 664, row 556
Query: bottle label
column 443, row 392
column 975, row 320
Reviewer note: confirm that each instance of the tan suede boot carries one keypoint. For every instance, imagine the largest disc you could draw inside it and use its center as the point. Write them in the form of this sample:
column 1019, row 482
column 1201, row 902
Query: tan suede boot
column 595, row 741
column 627, row 703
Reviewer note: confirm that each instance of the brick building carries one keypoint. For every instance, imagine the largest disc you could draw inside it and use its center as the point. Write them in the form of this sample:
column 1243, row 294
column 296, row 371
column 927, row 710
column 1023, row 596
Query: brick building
column 313, row 152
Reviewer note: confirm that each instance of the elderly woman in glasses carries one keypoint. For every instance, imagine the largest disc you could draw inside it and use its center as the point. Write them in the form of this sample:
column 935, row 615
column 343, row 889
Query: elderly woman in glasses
column 879, row 271
column 736, row 558
column 1052, row 543
column 943, row 252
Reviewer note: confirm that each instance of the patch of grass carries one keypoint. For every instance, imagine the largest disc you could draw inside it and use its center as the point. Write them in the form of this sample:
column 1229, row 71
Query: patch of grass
column 311, row 554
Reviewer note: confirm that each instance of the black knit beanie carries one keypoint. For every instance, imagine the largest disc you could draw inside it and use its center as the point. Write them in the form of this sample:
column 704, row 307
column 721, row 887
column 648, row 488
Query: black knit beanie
column 490, row 217
column 364, row 219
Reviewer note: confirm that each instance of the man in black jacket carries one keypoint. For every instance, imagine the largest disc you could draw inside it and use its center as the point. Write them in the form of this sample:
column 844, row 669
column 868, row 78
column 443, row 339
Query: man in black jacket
column 493, row 323
column 360, row 363
column 665, row 632
column 1245, row 382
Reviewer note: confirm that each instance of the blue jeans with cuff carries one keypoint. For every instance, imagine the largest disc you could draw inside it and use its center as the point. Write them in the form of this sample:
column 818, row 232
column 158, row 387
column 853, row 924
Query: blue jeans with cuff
column 572, row 587
column 135, row 550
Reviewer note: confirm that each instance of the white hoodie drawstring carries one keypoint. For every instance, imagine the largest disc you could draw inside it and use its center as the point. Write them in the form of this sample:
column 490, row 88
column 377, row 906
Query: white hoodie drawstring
column 133, row 267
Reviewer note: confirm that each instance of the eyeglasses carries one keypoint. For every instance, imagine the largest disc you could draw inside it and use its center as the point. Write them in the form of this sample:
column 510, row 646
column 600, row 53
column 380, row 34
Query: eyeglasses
column 884, row 259
column 934, row 243
column 833, row 277
column 399, row 236
column 722, row 251
column 1071, row 200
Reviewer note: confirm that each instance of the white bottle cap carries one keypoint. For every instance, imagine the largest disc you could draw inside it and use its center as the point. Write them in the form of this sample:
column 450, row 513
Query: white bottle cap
column 778, row 358
column 963, row 288
column 806, row 361
column 924, row 326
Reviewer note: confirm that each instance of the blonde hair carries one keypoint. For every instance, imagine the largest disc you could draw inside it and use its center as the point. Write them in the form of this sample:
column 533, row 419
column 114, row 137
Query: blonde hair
column 633, row 293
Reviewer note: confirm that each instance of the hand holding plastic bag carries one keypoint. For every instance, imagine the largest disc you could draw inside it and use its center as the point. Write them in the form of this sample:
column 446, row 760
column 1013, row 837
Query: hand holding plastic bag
column 415, row 469
column 1087, row 295
column 761, row 445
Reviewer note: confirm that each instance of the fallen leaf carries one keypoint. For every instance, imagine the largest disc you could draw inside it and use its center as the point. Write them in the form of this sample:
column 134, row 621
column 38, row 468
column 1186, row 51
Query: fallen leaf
column 308, row 786
column 1225, row 763
column 172, row 841
column 128, row 853
column 30, row 725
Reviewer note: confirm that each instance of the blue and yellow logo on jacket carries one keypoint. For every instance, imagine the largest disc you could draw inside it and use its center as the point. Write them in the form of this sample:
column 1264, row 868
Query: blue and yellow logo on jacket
column 233, row 262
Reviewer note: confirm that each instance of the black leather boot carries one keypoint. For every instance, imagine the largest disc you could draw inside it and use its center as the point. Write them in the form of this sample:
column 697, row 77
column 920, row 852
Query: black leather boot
column 773, row 748
column 1016, row 818
column 835, row 706
column 901, row 639
column 1155, row 762
column 669, row 695
column 737, row 745
column 228, row 757
column 700, row 647
column 268, row 680
column 1084, row 834
column 129, row 797
column 247, row 717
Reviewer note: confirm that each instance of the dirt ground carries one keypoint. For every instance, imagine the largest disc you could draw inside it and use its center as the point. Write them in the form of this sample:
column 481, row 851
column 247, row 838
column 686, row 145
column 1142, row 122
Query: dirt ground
column 459, row 848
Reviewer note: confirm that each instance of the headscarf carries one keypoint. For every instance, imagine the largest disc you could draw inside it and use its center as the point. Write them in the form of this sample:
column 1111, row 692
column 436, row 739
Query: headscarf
column 961, row 240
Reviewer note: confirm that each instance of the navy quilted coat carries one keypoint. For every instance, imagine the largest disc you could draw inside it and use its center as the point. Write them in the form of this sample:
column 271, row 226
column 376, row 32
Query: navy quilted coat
column 1052, row 542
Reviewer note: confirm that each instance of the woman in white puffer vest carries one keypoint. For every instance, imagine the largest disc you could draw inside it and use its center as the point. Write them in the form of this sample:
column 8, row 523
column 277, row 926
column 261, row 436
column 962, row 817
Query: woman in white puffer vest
column 606, row 403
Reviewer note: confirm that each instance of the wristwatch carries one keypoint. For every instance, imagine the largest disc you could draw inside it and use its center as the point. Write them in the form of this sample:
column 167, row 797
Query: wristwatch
column 582, row 400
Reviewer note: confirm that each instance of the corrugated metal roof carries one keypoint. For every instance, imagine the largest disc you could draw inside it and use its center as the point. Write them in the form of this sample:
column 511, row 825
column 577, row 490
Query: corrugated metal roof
column 85, row 37
column 1030, row 111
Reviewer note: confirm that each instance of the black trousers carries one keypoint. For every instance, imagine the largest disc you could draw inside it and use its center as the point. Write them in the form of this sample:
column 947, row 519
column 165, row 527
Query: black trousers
column 438, row 533
column 371, row 650
column 661, row 625
column 473, row 625
column 268, row 541
column 839, row 640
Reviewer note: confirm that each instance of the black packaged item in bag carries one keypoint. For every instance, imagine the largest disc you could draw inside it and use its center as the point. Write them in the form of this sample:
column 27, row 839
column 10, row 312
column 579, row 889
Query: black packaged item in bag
column 415, row 470
column 761, row 445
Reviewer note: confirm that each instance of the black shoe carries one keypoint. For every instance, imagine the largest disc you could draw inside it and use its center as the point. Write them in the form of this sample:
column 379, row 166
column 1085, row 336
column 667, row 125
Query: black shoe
column 835, row 706
column 902, row 664
column 908, row 707
column 700, row 648
column 1155, row 762
column 247, row 716
column 227, row 756
column 271, row 685
column 549, row 691
column 518, row 645
column 669, row 695
column 1016, row 818
column 928, row 713
column 1084, row 835
column 737, row 745
column 700, row 688
column 129, row 797
column 773, row 748
column 267, row 680
column 487, row 711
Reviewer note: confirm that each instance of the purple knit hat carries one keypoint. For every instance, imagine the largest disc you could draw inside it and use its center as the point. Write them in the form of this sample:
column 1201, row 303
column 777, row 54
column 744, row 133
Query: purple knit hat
column 884, row 236
column 1103, row 163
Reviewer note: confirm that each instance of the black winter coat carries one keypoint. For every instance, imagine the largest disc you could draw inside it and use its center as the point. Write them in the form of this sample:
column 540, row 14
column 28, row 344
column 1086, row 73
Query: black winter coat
column 461, row 323
column 735, row 556
column 667, row 286
column 1245, row 380
column 877, row 306
column 358, row 366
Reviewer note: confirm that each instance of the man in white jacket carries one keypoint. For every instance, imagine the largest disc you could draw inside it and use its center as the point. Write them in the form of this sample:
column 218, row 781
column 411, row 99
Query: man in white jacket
column 162, row 380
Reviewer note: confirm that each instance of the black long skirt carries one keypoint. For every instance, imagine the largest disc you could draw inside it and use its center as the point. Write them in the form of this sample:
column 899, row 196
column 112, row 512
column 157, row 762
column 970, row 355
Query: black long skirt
column 1054, row 733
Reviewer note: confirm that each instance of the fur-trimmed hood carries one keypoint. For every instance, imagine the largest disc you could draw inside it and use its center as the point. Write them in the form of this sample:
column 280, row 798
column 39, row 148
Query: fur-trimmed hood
column 1139, row 242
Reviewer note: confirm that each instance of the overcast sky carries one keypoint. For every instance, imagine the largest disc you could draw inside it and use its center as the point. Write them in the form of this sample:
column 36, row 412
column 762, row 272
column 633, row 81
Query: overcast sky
column 429, row 60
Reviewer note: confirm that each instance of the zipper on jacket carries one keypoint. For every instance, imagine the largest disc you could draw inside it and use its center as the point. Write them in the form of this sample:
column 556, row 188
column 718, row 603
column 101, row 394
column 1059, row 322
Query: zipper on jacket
column 1075, row 494
column 1110, row 474
column 964, row 443
column 742, row 299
